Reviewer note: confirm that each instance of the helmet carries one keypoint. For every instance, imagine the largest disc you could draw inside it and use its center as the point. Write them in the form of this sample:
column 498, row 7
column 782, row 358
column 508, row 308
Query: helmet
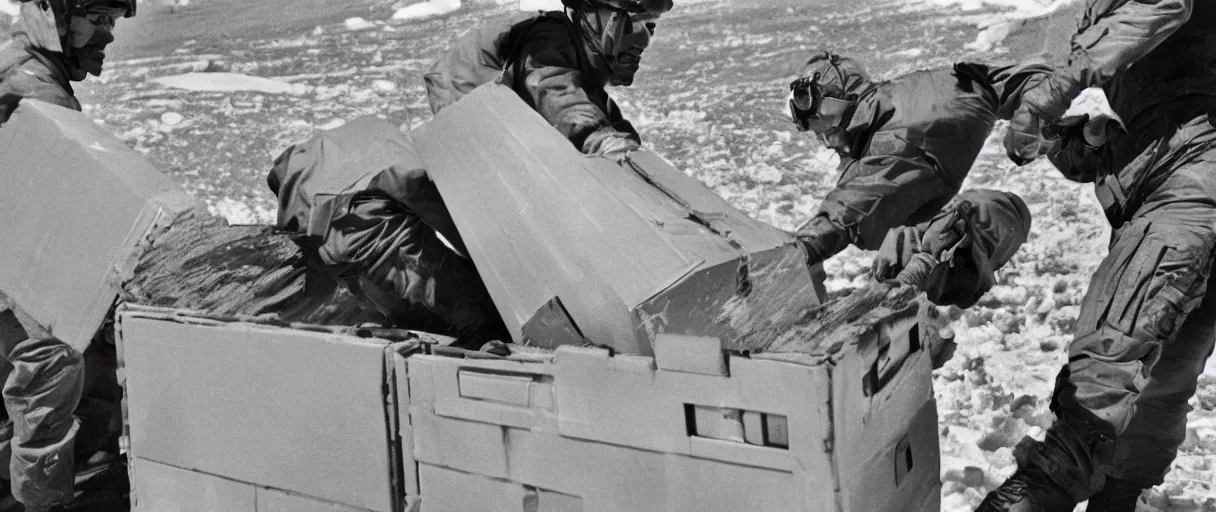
column 606, row 27
column 827, row 88
column 126, row 7
column 635, row 8
column 839, row 77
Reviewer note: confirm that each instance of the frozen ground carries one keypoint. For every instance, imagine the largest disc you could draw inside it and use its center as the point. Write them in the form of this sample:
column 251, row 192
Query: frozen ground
column 710, row 97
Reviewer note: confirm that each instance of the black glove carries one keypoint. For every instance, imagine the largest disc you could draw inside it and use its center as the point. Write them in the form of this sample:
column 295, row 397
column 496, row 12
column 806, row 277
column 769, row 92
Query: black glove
column 897, row 249
column 822, row 239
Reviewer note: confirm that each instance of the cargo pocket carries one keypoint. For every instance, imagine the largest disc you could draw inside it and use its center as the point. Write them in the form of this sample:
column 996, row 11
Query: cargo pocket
column 1178, row 284
column 1133, row 285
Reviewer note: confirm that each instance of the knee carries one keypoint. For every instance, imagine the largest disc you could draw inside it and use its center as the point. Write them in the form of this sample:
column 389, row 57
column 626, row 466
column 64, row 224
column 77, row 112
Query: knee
column 39, row 362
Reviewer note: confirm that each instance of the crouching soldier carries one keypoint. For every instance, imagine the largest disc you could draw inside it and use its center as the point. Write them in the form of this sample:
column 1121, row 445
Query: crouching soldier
column 379, row 234
column 55, row 42
column 905, row 146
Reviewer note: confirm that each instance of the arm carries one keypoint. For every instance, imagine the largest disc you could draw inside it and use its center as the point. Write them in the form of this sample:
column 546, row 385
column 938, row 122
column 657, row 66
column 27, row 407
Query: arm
column 616, row 135
column 1081, row 146
column 874, row 195
column 471, row 60
column 457, row 73
column 953, row 257
column 1113, row 36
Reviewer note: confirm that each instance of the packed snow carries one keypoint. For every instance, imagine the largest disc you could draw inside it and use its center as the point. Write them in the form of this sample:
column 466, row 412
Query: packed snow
column 225, row 82
column 426, row 9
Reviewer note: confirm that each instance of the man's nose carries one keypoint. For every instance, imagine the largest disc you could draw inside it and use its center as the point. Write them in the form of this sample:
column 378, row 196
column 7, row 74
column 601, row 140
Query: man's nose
column 102, row 36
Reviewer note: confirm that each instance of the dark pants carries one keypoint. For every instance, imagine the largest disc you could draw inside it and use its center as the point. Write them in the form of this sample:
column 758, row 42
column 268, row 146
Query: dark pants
column 1145, row 331
column 395, row 262
column 43, row 381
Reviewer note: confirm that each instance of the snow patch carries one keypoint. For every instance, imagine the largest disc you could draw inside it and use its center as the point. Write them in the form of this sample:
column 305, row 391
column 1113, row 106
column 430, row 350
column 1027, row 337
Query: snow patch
column 238, row 212
column 171, row 118
column 541, row 5
column 426, row 10
column 9, row 7
column 224, row 82
column 357, row 24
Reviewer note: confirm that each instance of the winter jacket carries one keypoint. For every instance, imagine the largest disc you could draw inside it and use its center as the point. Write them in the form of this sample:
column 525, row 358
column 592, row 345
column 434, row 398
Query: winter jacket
column 488, row 52
column 909, row 145
column 30, row 72
column 1152, row 58
column 317, row 181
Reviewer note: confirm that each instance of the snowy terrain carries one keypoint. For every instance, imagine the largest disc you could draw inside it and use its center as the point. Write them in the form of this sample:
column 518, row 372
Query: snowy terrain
column 214, row 111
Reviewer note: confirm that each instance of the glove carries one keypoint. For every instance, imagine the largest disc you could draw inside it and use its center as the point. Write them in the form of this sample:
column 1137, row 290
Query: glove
column 1024, row 140
column 895, row 253
column 944, row 236
column 1077, row 142
column 822, row 239
column 607, row 141
column 1043, row 99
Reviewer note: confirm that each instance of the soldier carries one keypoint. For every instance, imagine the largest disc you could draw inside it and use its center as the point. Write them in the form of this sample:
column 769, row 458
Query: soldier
column 1147, row 323
column 379, row 237
column 593, row 42
column 55, row 42
column 905, row 146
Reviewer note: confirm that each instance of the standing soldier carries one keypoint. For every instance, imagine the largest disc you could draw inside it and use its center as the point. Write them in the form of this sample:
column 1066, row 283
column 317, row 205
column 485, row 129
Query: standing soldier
column 55, row 42
column 1147, row 323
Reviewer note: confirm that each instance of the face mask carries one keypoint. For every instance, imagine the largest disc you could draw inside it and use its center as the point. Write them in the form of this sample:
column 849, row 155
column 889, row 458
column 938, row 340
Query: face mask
column 88, row 36
column 629, row 57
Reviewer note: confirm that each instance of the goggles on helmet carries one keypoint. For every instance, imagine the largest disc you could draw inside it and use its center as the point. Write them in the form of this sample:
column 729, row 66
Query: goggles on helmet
column 808, row 103
column 113, row 8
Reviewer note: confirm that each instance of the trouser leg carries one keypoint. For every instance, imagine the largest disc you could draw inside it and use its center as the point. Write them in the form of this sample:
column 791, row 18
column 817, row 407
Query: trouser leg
column 40, row 394
column 1153, row 280
column 1148, row 446
column 399, row 265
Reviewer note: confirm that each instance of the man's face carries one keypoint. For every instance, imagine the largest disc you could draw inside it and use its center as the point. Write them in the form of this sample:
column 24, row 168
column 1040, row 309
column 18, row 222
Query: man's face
column 88, row 36
column 621, row 41
column 629, row 54
column 559, row 97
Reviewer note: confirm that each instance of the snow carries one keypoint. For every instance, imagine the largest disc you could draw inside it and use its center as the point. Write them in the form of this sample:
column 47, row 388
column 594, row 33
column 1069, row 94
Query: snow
column 357, row 24
column 9, row 7
column 238, row 212
column 171, row 118
column 426, row 10
column 224, row 82
column 541, row 5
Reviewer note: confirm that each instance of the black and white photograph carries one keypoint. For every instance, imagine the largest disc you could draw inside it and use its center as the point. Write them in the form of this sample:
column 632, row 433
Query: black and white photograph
column 607, row 255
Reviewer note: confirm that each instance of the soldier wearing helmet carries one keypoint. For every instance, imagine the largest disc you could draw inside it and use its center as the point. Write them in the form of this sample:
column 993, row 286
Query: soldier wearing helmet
column 611, row 34
column 906, row 145
column 55, row 42
column 383, row 246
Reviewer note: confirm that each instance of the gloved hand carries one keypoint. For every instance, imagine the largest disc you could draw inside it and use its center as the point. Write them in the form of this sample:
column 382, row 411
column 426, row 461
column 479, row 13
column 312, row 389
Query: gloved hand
column 1077, row 142
column 897, row 249
column 944, row 236
column 1024, row 140
column 1044, row 99
column 607, row 141
column 822, row 239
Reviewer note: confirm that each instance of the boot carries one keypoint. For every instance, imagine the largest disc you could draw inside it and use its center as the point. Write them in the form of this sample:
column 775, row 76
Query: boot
column 1116, row 496
column 1028, row 490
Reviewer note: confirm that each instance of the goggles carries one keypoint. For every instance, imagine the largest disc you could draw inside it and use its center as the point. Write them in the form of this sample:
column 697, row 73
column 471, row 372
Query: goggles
column 112, row 8
column 807, row 103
